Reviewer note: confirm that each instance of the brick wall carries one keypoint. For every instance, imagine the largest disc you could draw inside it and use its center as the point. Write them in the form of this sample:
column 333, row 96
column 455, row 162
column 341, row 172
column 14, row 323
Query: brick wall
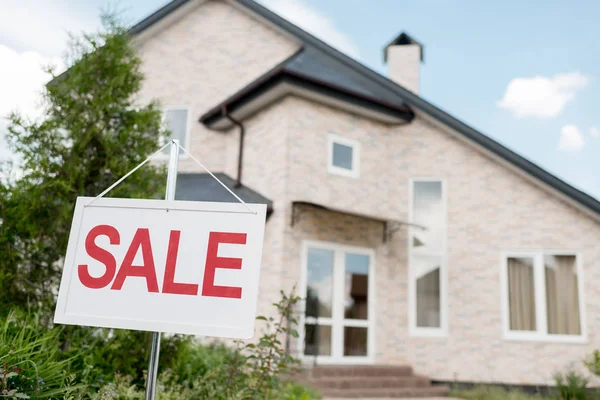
column 203, row 58
column 490, row 209
column 217, row 49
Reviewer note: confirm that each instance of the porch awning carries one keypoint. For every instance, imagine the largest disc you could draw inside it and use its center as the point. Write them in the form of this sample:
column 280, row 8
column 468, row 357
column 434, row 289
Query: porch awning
column 389, row 225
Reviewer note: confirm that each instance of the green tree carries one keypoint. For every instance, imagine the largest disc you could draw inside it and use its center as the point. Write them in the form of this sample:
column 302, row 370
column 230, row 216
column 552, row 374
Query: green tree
column 92, row 132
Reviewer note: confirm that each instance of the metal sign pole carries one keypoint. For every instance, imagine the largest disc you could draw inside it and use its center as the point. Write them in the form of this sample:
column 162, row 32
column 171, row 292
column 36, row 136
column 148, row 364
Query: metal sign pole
column 155, row 347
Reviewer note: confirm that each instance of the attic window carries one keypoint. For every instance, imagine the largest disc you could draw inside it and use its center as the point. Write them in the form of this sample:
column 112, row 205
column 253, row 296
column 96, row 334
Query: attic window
column 344, row 156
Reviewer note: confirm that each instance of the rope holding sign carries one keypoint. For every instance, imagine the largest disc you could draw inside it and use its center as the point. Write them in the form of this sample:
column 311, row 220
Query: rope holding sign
column 217, row 179
column 170, row 143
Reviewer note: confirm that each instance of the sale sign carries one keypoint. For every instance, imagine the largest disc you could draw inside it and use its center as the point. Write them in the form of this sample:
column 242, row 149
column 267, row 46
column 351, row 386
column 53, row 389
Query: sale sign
column 163, row 266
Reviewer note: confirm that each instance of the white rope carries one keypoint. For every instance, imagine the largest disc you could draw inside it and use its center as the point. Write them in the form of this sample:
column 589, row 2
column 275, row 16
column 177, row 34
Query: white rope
column 217, row 179
column 155, row 153
column 140, row 165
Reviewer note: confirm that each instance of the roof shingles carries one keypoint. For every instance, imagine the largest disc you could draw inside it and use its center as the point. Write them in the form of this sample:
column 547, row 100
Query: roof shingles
column 203, row 187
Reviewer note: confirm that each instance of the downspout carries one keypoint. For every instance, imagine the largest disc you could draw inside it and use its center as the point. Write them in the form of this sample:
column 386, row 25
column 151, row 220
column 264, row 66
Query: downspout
column 238, row 179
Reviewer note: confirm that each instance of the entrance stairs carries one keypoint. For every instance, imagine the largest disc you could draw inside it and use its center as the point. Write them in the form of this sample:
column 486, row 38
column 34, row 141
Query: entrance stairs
column 372, row 382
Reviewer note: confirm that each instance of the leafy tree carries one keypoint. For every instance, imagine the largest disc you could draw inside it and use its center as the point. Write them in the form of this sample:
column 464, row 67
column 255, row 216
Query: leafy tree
column 92, row 132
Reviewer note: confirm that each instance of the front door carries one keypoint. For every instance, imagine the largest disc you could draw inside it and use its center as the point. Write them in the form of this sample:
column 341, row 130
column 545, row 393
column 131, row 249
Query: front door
column 338, row 284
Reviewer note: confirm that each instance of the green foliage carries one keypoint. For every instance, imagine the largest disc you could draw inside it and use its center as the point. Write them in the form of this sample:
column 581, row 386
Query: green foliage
column 256, row 369
column 592, row 363
column 108, row 364
column 123, row 389
column 30, row 363
column 90, row 134
column 106, row 352
column 268, row 359
column 251, row 371
column 105, row 364
column 295, row 391
column 196, row 360
column 571, row 385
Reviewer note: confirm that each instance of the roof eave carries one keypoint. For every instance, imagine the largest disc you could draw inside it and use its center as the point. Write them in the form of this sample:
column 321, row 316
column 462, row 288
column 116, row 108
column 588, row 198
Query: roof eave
column 156, row 16
column 283, row 76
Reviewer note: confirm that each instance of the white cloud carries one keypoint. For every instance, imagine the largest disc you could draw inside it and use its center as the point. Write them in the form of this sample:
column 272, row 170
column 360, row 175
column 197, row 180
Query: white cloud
column 21, row 78
column 42, row 25
column 571, row 139
column 594, row 132
column 314, row 22
column 540, row 96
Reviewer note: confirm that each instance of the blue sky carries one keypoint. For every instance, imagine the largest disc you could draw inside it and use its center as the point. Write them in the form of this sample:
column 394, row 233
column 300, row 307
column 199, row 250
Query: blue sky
column 524, row 73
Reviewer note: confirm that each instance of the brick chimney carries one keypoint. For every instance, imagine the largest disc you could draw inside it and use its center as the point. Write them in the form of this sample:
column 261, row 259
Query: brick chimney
column 403, row 56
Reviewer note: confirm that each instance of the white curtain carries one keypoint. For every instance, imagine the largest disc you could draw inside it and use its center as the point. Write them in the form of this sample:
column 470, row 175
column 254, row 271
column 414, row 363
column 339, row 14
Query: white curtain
column 562, row 299
column 521, row 294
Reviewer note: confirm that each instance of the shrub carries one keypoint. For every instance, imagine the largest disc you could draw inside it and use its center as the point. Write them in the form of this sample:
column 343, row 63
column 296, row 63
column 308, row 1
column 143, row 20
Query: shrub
column 196, row 360
column 295, row 391
column 255, row 369
column 123, row 389
column 250, row 371
column 592, row 363
column 571, row 385
column 30, row 363
column 100, row 354
column 42, row 363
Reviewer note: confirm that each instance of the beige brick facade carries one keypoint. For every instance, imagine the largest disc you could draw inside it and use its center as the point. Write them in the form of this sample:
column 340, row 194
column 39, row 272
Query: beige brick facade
column 490, row 210
column 209, row 51
column 217, row 49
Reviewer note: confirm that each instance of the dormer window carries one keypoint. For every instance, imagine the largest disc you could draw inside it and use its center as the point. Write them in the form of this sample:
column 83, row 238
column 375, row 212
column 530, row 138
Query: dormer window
column 344, row 156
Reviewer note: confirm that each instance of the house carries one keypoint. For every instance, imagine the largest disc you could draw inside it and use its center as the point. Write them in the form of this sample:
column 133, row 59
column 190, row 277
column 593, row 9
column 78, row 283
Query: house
column 417, row 240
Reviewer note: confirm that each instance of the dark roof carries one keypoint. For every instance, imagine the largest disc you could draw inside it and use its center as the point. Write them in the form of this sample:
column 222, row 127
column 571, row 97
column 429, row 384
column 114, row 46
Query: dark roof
column 309, row 69
column 156, row 16
column 403, row 39
column 348, row 70
column 314, row 63
column 203, row 187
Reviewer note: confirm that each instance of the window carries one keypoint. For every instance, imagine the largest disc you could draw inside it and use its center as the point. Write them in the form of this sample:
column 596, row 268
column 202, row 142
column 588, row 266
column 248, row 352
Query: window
column 344, row 156
column 176, row 124
column 339, row 317
column 542, row 296
column 427, row 269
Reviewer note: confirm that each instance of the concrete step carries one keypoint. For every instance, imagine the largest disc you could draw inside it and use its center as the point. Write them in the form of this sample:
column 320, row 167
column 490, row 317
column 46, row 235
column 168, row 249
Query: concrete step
column 356, row 382
column 375, row 393
column 322, row 371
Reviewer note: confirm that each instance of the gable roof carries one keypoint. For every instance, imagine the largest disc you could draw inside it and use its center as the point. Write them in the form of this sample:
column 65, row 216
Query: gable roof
column 318, row 60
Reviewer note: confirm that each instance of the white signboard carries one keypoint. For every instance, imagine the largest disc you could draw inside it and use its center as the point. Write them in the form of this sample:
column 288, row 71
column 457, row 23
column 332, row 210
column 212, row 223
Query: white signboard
column 163, row 266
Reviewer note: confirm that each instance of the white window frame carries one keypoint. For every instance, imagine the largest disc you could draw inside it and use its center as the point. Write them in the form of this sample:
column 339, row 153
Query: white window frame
column 539, row 276
column 188, row 126
column 355, row 145
column 413, row 329
column 337, row 321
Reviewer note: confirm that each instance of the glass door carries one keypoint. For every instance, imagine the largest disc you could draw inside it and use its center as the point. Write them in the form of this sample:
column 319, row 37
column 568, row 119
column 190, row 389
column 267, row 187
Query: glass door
column 338, row 317
column 356, row 305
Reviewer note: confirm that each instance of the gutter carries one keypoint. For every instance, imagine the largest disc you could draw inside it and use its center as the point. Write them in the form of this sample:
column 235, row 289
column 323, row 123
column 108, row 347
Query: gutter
column 283, row 75
column 238, row 179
